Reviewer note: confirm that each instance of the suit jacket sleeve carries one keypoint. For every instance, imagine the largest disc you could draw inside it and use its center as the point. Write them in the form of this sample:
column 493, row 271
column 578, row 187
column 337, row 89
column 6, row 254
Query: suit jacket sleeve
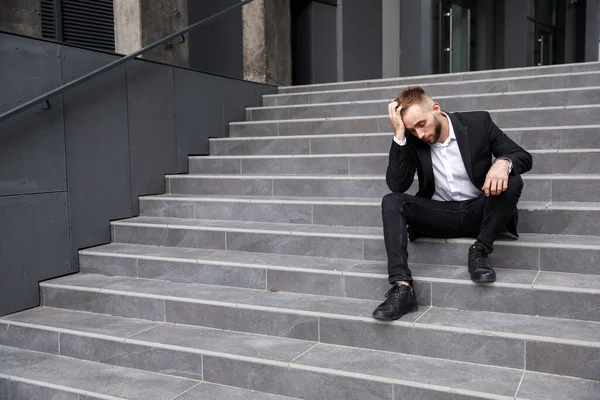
column 401, row 168
column 504, row 147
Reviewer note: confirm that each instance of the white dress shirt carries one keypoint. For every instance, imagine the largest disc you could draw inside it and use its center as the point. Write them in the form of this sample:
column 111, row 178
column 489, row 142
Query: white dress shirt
column 452, row 182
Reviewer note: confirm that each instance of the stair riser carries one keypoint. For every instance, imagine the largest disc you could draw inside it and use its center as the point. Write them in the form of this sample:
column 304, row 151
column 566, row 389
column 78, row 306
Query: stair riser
column 575, row 97
column 15, row 390
column 531, row 140
column 423, row 341
column 505, row 255
column 534, row 190
column 543, row 163
column 440, row 89
column 504, row 119
column 463, row 77
column 551, row 221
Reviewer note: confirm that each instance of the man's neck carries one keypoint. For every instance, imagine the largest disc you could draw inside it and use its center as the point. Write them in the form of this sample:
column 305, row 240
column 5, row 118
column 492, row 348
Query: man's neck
column 445, row 128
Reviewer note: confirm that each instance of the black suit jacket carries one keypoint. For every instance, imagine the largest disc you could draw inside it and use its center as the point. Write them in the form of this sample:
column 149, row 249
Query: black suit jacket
column 478, row 138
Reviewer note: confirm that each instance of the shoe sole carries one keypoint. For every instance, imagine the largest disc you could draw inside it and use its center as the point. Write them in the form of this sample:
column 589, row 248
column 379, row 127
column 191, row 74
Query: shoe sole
column 409, row 311
column 484, row 280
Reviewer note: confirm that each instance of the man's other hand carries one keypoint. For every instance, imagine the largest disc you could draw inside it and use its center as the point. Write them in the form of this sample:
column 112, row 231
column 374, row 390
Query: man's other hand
column 496, row 180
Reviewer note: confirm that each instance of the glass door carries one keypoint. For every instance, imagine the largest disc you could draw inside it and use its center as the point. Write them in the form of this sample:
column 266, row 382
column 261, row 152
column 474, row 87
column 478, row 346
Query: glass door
column 455, row 32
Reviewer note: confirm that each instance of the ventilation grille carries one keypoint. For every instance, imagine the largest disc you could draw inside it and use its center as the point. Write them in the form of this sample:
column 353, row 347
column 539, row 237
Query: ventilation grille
column 89, row 23
column 48, row 21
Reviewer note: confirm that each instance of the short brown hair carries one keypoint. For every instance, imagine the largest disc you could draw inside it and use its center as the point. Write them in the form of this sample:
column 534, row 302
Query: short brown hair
column 413, row 95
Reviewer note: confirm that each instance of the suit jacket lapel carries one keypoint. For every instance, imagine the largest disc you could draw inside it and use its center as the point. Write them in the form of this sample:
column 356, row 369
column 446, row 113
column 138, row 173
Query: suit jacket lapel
column 463, row 143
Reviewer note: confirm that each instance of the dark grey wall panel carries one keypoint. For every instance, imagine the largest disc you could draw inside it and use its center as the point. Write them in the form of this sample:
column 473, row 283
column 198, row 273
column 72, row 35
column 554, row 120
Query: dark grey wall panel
column 592, row 30
column 26, row 72
column 34, row 246
column 114, row 138
column 410, row 38
column 151, row 108
column 302, row 35
column 515, row 34
column 237, row 95
column 362, row 39
column 216, row 47
column 199, row 115
column 97, row 147
column 314, row 53
column 325, row 59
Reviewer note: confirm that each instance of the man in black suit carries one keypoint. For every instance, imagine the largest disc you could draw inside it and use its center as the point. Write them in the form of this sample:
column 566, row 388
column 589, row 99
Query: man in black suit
column 462, row 193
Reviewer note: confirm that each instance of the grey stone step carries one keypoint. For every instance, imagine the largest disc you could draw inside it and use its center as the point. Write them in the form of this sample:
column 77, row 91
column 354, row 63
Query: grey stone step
column 534, row 117
column 486, row 101
column 435, row 89
column 175, row 349
column 548, row 187
column 453, row 77
column 534, row 217
column 570, row 161
column 47, row 375
column 562, row 253
column 313, row 319
column 551, row 137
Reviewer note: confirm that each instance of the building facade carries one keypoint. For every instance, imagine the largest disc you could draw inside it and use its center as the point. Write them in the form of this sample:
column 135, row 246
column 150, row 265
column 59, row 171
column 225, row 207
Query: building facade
column 287, row 42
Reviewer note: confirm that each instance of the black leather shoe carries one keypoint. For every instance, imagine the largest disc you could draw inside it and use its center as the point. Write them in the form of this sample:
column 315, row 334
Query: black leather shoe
column 401, row 299
column 479, row 266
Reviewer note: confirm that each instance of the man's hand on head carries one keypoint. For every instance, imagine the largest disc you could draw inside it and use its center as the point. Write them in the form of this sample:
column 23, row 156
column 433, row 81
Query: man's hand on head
column 396, row 120
column 496, row 180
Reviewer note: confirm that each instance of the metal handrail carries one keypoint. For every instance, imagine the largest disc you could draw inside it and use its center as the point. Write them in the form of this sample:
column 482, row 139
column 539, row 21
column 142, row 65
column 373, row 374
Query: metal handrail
column 61, row 89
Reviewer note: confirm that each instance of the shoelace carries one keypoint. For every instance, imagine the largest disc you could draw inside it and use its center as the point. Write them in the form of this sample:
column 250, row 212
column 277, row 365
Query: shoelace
column 479, row 257
column 395, row 292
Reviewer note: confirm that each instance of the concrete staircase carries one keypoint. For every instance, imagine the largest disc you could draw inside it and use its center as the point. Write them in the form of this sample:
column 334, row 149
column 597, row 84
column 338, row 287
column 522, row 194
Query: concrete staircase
column 255, row 276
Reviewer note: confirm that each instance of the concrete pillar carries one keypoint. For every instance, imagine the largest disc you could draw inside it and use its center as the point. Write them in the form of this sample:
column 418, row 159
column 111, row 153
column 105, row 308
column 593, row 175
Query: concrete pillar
column 21, row 16
column 267, row 42
column 139, row 23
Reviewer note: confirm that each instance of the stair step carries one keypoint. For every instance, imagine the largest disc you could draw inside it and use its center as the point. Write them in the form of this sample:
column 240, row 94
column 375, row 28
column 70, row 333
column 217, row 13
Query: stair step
column 540, row 138
column 62, row 374
column 504, row 118
column 567, row 218
column 480, row 101
column 449, row 78
column 26, row 375
column 538, row 187
column 305, row 378
column 569, row 161
column 477, row 337
column 563, row 253
column 390, row 89
column 446, row 286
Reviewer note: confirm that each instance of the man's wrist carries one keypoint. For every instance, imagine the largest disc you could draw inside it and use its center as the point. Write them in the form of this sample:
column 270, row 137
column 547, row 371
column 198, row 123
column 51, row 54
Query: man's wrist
column 400, row 141
column 508, row 161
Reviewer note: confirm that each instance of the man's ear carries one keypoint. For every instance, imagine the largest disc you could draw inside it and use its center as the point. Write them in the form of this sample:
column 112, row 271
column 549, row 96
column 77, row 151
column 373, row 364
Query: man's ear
column 436, row 107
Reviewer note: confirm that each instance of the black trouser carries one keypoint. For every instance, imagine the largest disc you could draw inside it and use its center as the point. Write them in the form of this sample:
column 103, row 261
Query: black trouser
column 484, row 218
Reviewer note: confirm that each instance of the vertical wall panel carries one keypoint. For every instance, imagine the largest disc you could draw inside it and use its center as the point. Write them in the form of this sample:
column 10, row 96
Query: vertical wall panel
column 151, row 108
column 362, row 46
column 97, row 147
column 29, row 69
column 34, row 246
column 199, row 113
column 224, row 55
